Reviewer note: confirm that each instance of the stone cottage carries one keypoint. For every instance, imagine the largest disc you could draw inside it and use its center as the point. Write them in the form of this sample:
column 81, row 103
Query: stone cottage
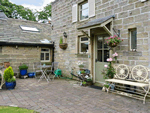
column 88, row 22
column 24, row 41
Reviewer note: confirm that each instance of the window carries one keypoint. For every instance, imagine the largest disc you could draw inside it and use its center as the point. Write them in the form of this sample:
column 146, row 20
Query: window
column 84, row 45
column 32, row 29
column 84, row 10
column 133, row 39
column 45, row 55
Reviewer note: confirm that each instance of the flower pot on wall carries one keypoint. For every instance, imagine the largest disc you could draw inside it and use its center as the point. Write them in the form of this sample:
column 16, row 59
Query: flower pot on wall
column 63, row 46
column 6, row 64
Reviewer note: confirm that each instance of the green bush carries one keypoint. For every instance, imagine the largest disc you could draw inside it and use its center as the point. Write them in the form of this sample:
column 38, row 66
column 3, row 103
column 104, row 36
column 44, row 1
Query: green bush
column 11, row 80
column 61, row 40
column 9, row 74
column 83, row 72
column 23, row 66
column 84, row 82
column 106, row 85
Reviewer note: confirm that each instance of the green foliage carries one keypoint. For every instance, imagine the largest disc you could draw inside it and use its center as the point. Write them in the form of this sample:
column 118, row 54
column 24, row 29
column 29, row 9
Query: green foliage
column 7, row 109
column 46, row 13
column 83, row 72
column 106, row 85
column 89, row 80
column 81, row 66
column 16, row 11
column 61, row 40
column 23, row 66
column 84, row 82
column 11, row 80
column 109, row 72
column 8, row 74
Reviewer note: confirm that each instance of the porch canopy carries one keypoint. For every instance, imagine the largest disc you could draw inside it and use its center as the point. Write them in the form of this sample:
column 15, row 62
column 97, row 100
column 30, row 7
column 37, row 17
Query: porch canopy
column 106, row 23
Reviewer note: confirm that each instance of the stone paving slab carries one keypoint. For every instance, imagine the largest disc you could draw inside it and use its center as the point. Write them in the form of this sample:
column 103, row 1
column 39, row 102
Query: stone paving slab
column 62, row 96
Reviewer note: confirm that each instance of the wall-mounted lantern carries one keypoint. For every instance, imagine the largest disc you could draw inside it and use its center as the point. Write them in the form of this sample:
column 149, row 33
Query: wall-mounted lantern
column 65, row 34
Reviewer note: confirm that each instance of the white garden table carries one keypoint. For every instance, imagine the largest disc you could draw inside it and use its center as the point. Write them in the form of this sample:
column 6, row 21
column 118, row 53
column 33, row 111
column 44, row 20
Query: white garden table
column 44, row 72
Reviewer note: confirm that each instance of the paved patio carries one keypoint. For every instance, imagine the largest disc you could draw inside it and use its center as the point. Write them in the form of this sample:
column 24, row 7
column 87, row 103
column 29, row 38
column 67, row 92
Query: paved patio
column 61, row 96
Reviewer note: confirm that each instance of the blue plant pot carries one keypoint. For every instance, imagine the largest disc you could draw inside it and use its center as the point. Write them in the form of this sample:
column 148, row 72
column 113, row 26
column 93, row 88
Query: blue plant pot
column 23, row 72
column 10, row 85
column 31, row 74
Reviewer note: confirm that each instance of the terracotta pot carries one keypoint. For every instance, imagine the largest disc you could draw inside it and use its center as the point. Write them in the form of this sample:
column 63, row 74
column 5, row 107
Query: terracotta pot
column 6, row 64
column 63, row 46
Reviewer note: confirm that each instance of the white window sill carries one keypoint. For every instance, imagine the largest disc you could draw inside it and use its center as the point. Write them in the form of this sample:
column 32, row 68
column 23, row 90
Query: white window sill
column 45, row 60
column 83, row 20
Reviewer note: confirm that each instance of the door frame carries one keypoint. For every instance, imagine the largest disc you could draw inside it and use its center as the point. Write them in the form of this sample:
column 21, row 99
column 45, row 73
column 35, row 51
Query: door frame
column 94, row 54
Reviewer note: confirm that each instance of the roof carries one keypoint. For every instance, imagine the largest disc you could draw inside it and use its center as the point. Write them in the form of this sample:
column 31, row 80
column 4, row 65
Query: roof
column 96, row 21
column 2, row 15
column 12, row 34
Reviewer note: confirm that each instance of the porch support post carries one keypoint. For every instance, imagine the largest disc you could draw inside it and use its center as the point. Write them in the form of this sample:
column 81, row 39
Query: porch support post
column 90, row 51
column 88, row 35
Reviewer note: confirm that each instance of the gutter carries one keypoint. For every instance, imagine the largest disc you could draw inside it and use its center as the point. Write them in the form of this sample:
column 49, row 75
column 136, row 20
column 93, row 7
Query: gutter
column 26, row 44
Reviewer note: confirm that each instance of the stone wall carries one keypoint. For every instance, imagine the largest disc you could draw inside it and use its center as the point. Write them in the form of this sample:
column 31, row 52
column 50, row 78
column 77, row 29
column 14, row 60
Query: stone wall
column 20, row 55
column 128, row 14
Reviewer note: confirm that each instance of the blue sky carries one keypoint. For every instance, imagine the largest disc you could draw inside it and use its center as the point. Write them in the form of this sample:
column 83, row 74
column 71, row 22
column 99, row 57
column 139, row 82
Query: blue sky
column 32, row 4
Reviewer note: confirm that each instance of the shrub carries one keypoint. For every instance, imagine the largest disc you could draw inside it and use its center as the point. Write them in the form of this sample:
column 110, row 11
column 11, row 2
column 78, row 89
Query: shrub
column 11, row 80
column 83, row 72
column 61, row 40
column 84, row 82
column 23, row 66
column 8, row 74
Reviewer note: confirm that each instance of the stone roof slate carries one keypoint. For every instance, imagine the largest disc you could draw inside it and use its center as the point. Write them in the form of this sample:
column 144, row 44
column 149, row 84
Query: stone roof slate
column 2, row 15
column 96, row 21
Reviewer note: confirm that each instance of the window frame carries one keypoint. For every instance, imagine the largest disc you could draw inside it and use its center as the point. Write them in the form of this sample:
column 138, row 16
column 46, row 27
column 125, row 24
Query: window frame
column 80, row 42
column 30, row 29
column 80, row 10
column 45, row 55
column 130, row 30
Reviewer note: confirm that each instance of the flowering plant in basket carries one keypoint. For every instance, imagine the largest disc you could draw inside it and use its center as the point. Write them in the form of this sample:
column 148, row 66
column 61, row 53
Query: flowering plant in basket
column 113, row 41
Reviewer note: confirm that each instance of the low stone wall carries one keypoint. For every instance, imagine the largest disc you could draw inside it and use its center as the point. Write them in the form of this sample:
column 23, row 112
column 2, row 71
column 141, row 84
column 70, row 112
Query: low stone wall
column 20, row 55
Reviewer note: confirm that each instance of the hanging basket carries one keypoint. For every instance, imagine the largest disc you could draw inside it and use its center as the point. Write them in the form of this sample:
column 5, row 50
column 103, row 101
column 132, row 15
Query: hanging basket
column 113, row 45
column 63, row 46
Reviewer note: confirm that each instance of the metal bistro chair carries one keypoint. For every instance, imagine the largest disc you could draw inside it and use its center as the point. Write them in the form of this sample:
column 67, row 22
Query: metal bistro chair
column 37, row 68
column 52, row 73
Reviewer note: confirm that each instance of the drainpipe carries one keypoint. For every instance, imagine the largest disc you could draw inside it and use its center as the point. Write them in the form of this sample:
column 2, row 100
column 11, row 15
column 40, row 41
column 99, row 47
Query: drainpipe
column 53, row 53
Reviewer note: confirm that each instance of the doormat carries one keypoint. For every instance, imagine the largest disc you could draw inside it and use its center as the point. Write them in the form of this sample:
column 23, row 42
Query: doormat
column 95, row 87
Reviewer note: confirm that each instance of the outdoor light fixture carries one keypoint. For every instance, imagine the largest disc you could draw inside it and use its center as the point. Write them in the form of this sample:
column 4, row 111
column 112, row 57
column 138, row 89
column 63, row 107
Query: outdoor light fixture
column 65, row 34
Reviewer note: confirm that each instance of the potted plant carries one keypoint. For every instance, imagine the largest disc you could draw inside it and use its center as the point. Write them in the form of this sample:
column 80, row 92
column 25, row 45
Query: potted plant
column 109, row 71
column 84, row 83
column 113, row 41
column 80, row 65
column 62, row 45
column 23, row 69
column 9, row 78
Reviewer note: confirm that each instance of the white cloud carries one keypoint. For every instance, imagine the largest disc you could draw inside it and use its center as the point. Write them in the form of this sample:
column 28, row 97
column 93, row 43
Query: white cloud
column 39, row 8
